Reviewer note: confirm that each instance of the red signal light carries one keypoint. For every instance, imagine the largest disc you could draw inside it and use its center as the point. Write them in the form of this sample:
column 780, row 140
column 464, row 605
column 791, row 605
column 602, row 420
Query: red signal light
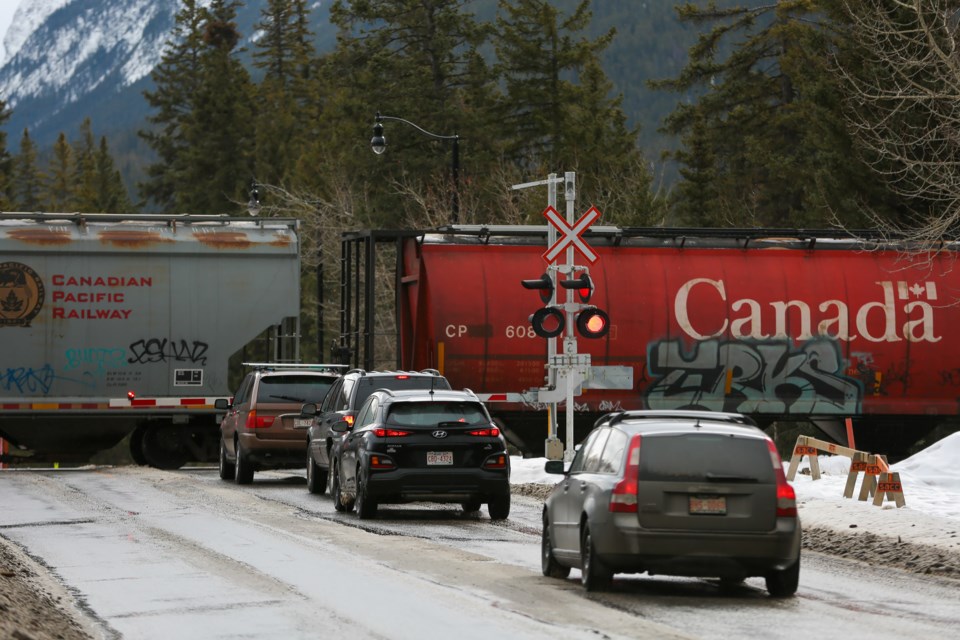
column 593, row 323
column 548, row 322
column 131, row 395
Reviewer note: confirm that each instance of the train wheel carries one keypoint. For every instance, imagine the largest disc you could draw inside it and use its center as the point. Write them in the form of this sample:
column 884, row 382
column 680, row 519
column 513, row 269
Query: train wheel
column 136, row 445
column 163, row 446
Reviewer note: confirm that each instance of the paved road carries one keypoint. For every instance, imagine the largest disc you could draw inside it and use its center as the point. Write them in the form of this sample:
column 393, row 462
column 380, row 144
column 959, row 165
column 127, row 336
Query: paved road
column 154, row 554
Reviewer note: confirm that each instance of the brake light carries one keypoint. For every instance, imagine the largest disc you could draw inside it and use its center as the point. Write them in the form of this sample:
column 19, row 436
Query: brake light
column 786, row 496
column 258, row 422
column 498, row 461
column 486, row 432
column 348, row 419
column 389, row 433
column 623, row 498
column 403, row 377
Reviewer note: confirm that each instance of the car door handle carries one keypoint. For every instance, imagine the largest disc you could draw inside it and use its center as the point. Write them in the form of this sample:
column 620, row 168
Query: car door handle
column 583, row 487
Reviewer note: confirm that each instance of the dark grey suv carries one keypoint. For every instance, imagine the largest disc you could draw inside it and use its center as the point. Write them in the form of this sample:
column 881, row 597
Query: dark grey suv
column 412, row 446
column 688, row 493
column 341, row 404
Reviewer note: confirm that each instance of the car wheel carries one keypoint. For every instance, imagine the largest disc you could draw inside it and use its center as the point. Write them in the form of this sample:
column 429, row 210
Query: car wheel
column 783, row 584
column 244, row 467
column 339, row 503
column 470, row 506
column 366, row 506
column 316, row 477
column 594, row 576
column 499, row 507
column 548, row 563
column 227, row 468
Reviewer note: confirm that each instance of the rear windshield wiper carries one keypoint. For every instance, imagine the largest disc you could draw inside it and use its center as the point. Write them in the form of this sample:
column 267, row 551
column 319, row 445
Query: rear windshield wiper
column 290, row 398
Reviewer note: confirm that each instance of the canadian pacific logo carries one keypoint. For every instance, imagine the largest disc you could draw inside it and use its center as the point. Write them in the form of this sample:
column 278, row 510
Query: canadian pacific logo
column 21, row 294
column 900, row 312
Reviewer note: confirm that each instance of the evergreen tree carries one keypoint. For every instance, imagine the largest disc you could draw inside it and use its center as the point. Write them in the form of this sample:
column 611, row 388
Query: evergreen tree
column 58, row 193
column 418, row 60
column 177, row 82
column 284, row 122
column 6, row 163
column 110, row 192
column 85, row 170
column 765, row 141
column 28, row 179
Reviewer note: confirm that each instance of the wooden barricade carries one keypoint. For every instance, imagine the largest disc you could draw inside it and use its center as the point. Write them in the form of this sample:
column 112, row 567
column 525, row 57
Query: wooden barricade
column 878, row 482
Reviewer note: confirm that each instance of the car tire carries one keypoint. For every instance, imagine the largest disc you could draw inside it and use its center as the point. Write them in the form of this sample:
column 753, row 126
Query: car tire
column 339, row 503
column 469, row 506
column 316, row 477
column 366, row 506
column 499, row 507
column 783, row 584
column 227, row 469
column 244, row 467
column 548, row 562
column 593, row 574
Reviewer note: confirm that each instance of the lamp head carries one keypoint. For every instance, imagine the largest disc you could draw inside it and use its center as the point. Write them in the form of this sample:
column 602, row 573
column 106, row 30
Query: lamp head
column 378, row 143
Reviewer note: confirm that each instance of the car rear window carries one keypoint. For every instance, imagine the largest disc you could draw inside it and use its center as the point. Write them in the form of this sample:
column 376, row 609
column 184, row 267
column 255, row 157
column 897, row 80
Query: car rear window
column 399, row 382
column 293, row 388
column 701, row 457
column 424, row 414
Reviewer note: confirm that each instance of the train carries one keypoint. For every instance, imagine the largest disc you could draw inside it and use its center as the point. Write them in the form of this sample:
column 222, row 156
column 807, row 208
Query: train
column 116, row 325
column 828, row 327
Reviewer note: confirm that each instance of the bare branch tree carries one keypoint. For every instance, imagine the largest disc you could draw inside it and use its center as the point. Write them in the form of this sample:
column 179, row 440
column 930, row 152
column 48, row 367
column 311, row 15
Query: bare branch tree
column 903, row 108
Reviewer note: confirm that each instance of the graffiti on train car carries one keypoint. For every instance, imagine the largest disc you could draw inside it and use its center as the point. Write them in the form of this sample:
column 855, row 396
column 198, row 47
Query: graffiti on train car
column 771, row 377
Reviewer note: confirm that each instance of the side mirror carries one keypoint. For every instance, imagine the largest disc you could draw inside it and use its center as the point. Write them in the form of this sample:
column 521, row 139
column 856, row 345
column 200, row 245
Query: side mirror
column 554, row 466
column 309, row 410
column 341, row 426
column 221, row 403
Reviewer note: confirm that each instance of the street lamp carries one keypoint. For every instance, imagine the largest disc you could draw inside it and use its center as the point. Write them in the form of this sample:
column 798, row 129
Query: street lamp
column 379, row 144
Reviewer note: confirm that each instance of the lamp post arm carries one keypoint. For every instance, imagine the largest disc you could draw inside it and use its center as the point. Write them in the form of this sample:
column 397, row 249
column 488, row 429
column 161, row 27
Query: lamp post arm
column 418, row 128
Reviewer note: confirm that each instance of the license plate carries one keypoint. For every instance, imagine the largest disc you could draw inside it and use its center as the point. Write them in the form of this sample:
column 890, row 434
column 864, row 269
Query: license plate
column 439, row 457
column 708, row 505
column 302, row 422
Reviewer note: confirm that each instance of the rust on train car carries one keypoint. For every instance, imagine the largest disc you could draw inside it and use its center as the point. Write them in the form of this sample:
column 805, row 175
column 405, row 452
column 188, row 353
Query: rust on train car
column 42, row 236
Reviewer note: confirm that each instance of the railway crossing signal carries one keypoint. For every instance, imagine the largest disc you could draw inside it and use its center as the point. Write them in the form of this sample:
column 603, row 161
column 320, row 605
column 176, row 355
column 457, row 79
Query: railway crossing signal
column 550, row 320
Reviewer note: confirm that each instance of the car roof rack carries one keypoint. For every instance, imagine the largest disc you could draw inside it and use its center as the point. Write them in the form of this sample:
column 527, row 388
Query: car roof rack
column 278, row 366
column 680, row 414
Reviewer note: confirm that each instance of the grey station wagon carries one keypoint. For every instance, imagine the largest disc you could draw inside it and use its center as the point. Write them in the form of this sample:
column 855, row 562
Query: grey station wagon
column 689, row 493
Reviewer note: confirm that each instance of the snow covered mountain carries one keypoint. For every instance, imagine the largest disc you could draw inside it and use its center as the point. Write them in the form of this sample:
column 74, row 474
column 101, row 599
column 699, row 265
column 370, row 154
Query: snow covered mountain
column 63, row 60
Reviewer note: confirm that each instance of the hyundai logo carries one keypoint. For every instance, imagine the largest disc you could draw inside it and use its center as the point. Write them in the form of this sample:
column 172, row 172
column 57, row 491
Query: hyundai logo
column 439, row 433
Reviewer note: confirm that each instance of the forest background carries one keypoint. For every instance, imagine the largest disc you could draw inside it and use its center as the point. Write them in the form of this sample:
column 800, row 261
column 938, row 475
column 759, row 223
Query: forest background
column 795, row 113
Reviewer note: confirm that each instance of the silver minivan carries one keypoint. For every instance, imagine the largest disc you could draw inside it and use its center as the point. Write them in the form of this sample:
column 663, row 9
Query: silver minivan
column 687, row 493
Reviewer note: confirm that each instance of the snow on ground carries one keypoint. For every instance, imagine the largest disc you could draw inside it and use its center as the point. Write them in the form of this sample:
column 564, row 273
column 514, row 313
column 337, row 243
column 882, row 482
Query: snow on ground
column 931, row 490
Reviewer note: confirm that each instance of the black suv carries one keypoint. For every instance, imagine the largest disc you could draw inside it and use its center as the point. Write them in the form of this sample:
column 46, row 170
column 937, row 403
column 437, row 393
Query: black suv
column 260, row 430
column 411, row 446
column 341, row 404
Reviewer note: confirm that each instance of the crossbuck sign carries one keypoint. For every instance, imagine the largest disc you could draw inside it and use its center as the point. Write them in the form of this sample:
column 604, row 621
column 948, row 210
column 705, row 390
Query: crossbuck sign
column 570, row 235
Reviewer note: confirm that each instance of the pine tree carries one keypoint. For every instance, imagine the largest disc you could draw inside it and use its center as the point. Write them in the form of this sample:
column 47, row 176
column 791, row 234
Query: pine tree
column 6, row 162
column 28, row 179
column 540, row 55
column 58, row 193
column 217, row 160
column 284, row 123
column 85, row 171
column 111, row 193
column 177, row 81
column 766, row 138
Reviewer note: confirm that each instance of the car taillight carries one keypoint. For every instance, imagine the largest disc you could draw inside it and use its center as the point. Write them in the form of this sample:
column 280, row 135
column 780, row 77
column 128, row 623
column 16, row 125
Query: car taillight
column 486, row 432
column 348, row 419
column 498, row 461
column 623, row 498
column 389, row 433
column 786, row 496
column 258, row 422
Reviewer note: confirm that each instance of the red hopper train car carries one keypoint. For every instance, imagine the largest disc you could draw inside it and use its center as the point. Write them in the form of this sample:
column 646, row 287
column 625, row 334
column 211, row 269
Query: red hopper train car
column 781, row 325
